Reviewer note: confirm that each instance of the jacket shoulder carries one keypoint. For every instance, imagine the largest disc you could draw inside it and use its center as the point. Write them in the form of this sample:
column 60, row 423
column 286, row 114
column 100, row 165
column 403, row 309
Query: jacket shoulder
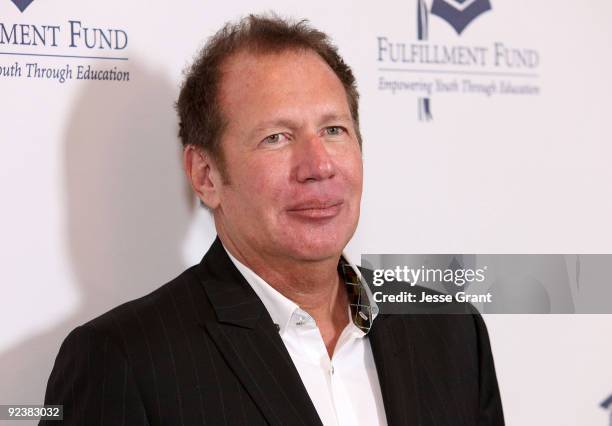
column 181, row 300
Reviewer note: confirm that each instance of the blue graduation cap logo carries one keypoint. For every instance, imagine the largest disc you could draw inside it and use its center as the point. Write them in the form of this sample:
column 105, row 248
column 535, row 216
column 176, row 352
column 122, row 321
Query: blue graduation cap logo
column 607, row 405
column 22, row 4
column 459, row 13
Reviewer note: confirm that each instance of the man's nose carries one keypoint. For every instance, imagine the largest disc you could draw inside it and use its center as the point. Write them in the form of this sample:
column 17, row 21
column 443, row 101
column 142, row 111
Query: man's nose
column 314, row 161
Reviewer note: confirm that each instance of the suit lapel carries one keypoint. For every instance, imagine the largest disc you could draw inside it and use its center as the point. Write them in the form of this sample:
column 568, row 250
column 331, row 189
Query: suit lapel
column 395, row 364
column 265, row 369
column 248, row 340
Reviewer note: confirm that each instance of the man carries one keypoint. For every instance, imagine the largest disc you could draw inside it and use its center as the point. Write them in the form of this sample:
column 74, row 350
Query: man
column 274, row 326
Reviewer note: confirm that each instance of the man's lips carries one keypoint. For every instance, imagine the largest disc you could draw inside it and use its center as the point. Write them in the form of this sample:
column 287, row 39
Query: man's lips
column 316, row 209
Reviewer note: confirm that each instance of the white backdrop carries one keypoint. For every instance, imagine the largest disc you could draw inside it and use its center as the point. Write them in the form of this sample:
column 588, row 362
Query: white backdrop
column 95, row 210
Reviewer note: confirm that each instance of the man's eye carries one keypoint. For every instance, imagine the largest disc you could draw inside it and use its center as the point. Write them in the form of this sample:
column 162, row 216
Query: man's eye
column 334, row 130
column 274, row 139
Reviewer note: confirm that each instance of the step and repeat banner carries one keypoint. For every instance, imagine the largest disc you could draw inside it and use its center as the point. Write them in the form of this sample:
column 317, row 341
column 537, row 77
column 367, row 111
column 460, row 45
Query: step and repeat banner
column 485, row 126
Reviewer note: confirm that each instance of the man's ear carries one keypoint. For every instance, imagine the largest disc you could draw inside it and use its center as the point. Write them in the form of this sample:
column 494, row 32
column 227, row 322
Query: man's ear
column 203, row 175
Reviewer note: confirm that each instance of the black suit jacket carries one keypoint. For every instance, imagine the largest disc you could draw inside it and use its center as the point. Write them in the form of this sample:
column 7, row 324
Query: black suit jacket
column 202, row 350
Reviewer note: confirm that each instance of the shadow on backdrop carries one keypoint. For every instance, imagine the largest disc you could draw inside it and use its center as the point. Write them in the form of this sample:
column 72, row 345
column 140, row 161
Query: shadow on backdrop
column 128, row 212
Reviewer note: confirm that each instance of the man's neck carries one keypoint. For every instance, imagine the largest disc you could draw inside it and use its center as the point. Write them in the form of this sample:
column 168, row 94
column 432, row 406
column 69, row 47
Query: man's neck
column 315, row 287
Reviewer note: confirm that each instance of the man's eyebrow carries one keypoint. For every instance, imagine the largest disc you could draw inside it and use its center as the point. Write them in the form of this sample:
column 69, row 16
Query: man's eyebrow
column 293, row 124
column 279, row 122
column 336, row 117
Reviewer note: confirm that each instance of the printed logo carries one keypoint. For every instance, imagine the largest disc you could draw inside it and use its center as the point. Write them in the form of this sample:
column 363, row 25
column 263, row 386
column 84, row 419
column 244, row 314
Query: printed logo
column 426, row 67
column 459, row 13
column 607, row 405
column 22, row 4
column 62, row 51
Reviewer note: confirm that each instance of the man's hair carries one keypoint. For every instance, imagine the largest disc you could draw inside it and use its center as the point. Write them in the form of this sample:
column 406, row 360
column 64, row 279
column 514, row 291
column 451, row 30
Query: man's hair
column 201, row 118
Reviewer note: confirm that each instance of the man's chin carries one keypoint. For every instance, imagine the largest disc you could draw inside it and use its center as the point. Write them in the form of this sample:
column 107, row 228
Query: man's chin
column 314, row 243
column 316, row 251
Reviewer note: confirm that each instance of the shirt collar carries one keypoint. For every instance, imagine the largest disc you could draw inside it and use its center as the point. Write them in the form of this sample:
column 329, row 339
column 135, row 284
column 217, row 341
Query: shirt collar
column 361, row 302
column 363, row 309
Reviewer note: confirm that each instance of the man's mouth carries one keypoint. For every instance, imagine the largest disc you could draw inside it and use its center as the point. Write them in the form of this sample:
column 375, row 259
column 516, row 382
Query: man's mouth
column 316, row 209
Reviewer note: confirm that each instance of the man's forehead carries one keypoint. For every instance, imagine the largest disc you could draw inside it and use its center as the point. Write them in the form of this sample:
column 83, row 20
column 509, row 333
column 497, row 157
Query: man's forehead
column 245, row 66
column 284, row 82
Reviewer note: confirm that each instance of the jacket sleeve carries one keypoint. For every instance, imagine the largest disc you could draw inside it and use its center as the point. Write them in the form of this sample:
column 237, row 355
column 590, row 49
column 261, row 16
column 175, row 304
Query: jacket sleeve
column 93, row 380
column 491, row 413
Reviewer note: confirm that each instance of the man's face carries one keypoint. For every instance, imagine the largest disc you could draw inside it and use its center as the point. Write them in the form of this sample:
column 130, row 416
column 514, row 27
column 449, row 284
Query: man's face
column 291, row 156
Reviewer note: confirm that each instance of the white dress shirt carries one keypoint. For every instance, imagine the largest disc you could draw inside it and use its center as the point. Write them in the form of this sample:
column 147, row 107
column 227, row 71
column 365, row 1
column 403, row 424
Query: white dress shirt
column 344, row 389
